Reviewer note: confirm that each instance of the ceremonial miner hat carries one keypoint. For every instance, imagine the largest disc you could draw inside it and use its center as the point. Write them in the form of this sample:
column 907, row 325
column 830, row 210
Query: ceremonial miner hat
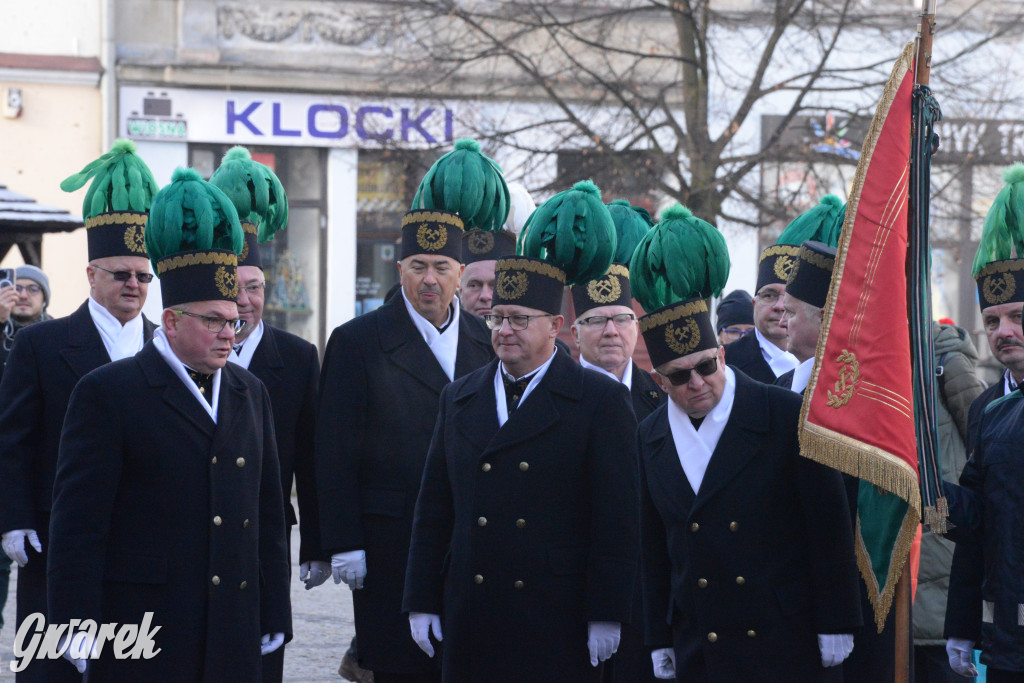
column 811, row 276
column 467, row 183
column 821, row 223
column 999, row 263
column 676, row 267
column 735, row 308
column 484, row 245
column 521, row 206
column 259, row 198
column 569, row 239
column 117, row 202
column 433, row 232
column 193, row 237
column 612, row 288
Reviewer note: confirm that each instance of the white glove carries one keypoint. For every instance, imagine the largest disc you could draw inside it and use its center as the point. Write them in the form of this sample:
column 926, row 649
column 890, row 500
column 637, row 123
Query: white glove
column 602, row 640
column 420, row 625
column 835, row 647
column 314, row 573
column 78, row 652
column 664, row 662
column 270, row 642
column 959, row 652
column 14, row 544
column 349, row 567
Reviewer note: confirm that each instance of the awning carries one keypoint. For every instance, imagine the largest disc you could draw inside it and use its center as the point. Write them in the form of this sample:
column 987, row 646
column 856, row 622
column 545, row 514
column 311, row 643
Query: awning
column 24, row 221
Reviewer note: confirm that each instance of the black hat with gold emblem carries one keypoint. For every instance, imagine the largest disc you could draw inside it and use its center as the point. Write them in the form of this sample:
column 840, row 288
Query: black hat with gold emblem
column 822, row 223
column 484, row 245
column 117, row 202
column 676, row 267
column 999, row 262
column 259, row 198
column 433, row 232
column 569, row 239
column 811, row 277
column 193, row 237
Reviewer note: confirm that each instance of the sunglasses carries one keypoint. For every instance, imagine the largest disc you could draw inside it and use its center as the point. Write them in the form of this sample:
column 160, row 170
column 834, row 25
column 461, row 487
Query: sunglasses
column 126, row 275
column 703, row 368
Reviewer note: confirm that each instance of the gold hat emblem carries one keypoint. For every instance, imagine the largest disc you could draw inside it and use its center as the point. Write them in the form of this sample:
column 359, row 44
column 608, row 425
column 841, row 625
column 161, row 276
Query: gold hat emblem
column 227, row 282
column 683, row 339
column 480, row 242
column 998, row 289
column 135, row 239
column 604, row 290
column 431, row 239
column 511, row 286
column 783, row 266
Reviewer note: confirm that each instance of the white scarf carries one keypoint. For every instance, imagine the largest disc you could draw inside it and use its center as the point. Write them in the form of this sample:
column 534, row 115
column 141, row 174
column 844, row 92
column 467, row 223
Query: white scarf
column 121, row 341
column 162, row 345
column 802, row 375
column 244, row 357
column 779, row 361
column 627, row 376
column 499, row 387
column 444, row 345
column 696, row 446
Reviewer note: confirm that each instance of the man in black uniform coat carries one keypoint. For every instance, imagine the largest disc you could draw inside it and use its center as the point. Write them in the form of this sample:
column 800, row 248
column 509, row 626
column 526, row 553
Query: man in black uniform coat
column 606, row 332
column 525, row 535
column 1002, row 323
column 382, row 377
column 45, row 363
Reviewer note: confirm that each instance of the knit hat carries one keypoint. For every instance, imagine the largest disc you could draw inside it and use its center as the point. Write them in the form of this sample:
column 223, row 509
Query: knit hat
column 821, row 223
column 999, row 262
column 36, row 275
column 466, row 183
column 736, row 308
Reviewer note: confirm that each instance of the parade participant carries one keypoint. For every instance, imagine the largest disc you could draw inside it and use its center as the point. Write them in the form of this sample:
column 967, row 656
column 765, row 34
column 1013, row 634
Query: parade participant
column 288, row 366
column 606, row 332
column 762, row 355
column 48, row 359
column 525, row 535
column 734, row 317
column 480, row 251
column 382, row 377
column 749, row 569
column 168, row 492
column 986, row 583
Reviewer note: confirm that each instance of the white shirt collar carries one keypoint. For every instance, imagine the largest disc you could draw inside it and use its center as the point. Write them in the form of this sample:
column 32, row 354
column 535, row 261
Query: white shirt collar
column 802, row 375
column 163, row 345
column 444, row 345
column 627, row 376
column 779, row 361
column 1008, row 383
column 121, row 341
column 499, row 386
column 249, row 346
column 694, row 447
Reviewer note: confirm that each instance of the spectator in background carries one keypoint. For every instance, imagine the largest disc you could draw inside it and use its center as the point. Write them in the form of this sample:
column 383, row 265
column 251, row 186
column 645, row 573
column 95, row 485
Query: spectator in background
column 734, row 317
column 23, row 304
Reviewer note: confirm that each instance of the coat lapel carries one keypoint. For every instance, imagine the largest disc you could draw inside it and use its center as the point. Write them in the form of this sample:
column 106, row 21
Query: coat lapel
column 661, row 462
column 84, row 351
column 159, row 373
column 475, row 413
column 266, row 360
column 474, row 346
column 643, row 391
column 405, row 346
column 232, row 395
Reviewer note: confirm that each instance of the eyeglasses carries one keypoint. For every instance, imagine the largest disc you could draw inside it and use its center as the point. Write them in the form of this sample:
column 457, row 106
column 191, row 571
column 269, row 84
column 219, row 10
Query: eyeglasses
column 768, row 296
column 215, row 323
column 734, row 333
column 254, row 288
column 597, row 322
column 516, row 322
column 126, row 275
column 704, row 368
column 31, row 289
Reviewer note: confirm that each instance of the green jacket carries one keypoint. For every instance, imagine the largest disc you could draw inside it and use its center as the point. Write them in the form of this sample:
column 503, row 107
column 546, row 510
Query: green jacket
column 955, row 390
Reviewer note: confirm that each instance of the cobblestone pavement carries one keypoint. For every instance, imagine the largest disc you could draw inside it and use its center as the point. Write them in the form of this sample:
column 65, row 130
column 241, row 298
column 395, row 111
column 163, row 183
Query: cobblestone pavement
column 321, row 618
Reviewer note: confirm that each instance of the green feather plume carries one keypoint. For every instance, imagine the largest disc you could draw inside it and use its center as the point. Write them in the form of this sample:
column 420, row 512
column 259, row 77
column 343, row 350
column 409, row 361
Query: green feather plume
column 191, row 214
column 822, row 223
column 466, row 182
column 255, row 190
column 1002, row 236
column 680, row 258
column 574, row 231
column 631, row 224
column 121, row 181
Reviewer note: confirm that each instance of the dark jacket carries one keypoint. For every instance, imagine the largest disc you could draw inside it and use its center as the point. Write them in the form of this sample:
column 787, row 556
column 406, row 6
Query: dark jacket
column 986, row 586
column 289, row 368
column 745, row 355
column 748, row 571
column 996, row 391
column 158, row 509
column 379, row 392
column 526, row 533
column 644, row 393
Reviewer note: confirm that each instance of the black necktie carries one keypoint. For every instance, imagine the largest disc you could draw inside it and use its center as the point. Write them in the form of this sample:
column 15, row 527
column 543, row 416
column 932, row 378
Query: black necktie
column 514, row 390
column 238, row 349
column 204, row 382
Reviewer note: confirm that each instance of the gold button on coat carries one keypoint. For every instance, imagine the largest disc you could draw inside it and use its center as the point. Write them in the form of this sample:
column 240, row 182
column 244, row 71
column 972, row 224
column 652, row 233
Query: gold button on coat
column 478, row 578
column 752, row 633
column 523, row 466
column 214, row 461
column 482, row 521
column 242, row 585
column 215, row 580
column 695, row 527
column 520, row 523
column 734, row 526
column 518, row 585
column 486, row 467
column 703, row 583
column 740, row 580
column 240, row 462
column 217, row 520
column 246, row 524
column 712, row 637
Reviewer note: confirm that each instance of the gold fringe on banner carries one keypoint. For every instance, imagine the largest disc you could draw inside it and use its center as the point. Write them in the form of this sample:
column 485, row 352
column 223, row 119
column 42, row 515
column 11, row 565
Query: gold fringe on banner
column 882, row 602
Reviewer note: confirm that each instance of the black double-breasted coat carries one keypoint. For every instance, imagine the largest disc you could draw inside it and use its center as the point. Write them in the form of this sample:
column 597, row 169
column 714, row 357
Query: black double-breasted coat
column 525, row 533
column 745, row 355
column 741, row 577
column 46, row 361
column 159, row 509
column 379, row 392
column 977, row 410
